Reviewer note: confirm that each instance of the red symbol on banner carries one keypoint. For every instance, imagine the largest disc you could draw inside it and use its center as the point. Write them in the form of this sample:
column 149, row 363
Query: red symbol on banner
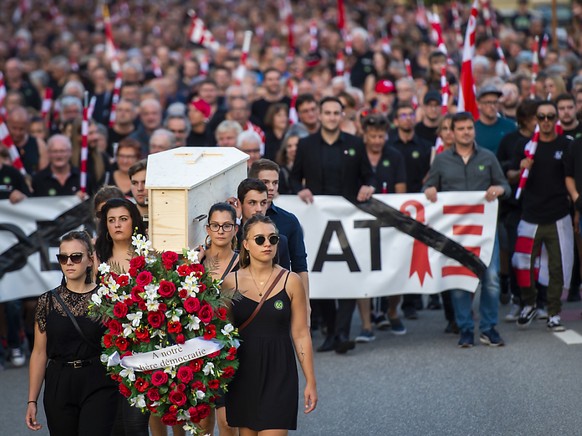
column 419, row 263
column 458, row 229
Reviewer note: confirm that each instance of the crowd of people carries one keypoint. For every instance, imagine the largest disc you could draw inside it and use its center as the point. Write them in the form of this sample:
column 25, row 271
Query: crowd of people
column 296, row 111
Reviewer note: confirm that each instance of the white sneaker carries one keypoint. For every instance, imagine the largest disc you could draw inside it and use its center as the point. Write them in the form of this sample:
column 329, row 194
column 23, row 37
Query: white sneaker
column 513, row 313
column 555, row 324
column 542, row 314
column 16, row 357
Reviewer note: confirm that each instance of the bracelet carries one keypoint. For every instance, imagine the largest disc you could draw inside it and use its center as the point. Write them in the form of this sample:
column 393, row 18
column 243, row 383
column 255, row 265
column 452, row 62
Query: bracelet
column 32, row 401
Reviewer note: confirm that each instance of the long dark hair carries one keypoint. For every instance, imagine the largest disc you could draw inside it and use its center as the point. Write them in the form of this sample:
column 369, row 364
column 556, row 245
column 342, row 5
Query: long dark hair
column 104, row 244
column 224, row 207
column 85, row 239
column 244, row 256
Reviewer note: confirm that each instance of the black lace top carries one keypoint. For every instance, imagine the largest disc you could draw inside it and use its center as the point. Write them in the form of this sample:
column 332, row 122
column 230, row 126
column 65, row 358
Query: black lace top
column 64, row 342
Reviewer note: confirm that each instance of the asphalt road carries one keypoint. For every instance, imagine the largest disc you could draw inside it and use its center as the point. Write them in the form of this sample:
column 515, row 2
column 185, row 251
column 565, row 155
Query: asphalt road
column 422, row 384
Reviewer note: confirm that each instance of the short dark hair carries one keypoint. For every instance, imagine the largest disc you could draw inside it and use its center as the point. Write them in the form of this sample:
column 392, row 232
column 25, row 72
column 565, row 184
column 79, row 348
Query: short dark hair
column 375, row 121
column 330, row 98
column 547, row 103
column 262, row 165
column 249, row 185
column 270, row 70
column 525, row 110
column 565, row 97
column 403, row 105
column 304, row 98
column 140, row 165
column 105, row 193
column 461, row 116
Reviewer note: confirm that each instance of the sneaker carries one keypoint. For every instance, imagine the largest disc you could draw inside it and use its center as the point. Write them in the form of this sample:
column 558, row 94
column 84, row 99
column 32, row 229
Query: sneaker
column 466, row 340
column 396, row 327
column 513, row 313
column 365, row 336
column 17, row 358
column 382, row 322
column 528, row 313
column 542, row 313
column 555, row 324
column 410, row 313
column 491, row 337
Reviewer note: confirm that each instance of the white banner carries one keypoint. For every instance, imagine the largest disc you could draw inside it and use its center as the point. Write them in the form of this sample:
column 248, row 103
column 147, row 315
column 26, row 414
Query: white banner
column 29, row 238
column 174, row 355
column 351, row 256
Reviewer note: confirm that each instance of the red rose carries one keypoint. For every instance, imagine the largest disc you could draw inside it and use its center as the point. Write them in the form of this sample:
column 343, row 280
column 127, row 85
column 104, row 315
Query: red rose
column 203, row 410
column 185, row 374
column 169, row 258
column 184, row 270
column 194, row 414
column 231, row 353
column 141, row 385
column 132, row 272
column 180, row 338
column 121, row 343
column 201, row 287
column 155, row 319
column 228, row 372
column 163, row 307
column 169, row 419
column 177, row 397
column 191, row 304
column 159, row 378
column 135, row 291
column 107, row 342
column 182, row 293
column 137, row 262
column 125, row 391
column 196, row 365
column 205, row 313
column 143, row 334
column 213, row 355
column 174, row 327
column 221, row 313
column 213, row 384
column 144, row 278
column 181, row 387
column 122, row 280
column 209, row 332
column 153, row 394
column 198, row 386
column 120, row 310
column 114, row 327
column 167, row 289
column 152, row 409
column 142, row 306
column 197, row 268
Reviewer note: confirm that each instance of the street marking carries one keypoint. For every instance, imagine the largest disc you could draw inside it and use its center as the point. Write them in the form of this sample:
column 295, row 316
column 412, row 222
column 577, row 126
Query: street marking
column 570, row 337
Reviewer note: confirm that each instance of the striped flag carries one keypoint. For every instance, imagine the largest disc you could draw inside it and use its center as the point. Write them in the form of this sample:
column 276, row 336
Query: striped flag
column 199, row 34
column 84, row 144
column 535, row 66
column 110, row 49
column 445, row 91
column 313, row 43
column 530, row 151
column 544, row 47
column 293, row 118
column 341, row 25
column 502, row 57
column 45, row 111
column 241, row 70
column 457, row 24
column 115, row 98
column 437, row 30
column 467, row 100
column 6, row 140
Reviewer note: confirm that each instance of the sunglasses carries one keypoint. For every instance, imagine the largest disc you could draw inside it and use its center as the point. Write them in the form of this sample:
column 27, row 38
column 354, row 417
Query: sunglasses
column 226, row 227
column 273, row 239
column 549, row 117
column 75, row 258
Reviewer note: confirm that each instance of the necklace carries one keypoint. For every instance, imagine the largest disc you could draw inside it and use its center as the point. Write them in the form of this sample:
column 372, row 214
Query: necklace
column 263, row 284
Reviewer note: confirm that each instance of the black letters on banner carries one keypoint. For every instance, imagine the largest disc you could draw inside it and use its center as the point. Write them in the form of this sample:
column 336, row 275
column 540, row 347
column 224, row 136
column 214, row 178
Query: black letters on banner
column 375, row 248
column 347, row 255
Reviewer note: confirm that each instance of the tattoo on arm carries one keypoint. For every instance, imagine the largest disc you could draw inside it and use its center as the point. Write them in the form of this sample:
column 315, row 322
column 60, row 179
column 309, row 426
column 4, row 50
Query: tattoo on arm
column 301, row 354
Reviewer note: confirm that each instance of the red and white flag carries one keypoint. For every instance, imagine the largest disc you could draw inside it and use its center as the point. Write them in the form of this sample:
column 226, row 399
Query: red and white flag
column 437, row 30
column 445, row 91
column 341, row 25
column 535, row 66
column 199, row 34
column 467, row 99
column 6, row 140
column 241, row 70
column 313, row 43
column 2, row 91
column 84, row 144
column 115, row 98
column 485, row 7
column 544, row 47
column 530, row 151
column 45, row 111
column 502, row 57
column 457, row 24
column 110, row 49
column 293, row 118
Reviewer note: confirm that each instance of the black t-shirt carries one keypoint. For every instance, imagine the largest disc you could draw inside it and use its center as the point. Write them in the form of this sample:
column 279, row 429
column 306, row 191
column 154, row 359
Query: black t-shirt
column 416, row 154
column 45, row 185
column 11, row 180
column 260, row 107
column 573, row 163
column 113, row 138
column 545, row 197
column 575, row 133
column 390, row 171
column 203, row 139
column 429, row 134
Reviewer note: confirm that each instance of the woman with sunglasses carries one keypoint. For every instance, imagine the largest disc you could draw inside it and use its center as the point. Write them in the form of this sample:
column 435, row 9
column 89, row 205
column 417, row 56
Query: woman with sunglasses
column 263, row 396
column 79, row 397
column 119, row 220
column 220, row 258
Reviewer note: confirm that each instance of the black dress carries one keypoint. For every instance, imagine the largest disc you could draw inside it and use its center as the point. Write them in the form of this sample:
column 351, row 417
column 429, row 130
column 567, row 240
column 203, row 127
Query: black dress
column 79, row 400
column 264, row 392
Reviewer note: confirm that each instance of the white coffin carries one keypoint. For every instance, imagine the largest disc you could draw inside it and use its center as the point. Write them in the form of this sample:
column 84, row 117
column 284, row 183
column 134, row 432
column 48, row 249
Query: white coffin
column 183, row 183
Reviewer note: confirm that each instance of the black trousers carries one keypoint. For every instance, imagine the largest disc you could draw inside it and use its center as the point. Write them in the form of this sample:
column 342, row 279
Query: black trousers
column 343, row 321
column 79, row 401
column 129, row 420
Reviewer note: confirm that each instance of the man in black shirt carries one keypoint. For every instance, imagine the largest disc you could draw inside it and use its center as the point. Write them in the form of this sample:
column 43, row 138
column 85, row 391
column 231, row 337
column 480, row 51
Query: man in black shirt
column 12, row 184
column 331, row 162
column 566, row 105
column 273, row 94
column 123, row 125
column 431, row 115
column 545, row 220
column 198, row 114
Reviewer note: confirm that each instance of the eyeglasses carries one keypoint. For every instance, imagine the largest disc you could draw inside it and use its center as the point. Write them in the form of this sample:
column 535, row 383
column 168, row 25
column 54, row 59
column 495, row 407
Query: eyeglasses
column 75, row 258
column 489, row 102
column 215, row 227
column 549, row 117
column 407, row 116
column 273, row 239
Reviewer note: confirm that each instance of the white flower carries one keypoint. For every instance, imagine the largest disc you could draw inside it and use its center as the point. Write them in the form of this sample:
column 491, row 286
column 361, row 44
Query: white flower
column 138, row 401
column 209, row 368
column 104, row 358
column 227, row 330
column 200, row 395
column 127, row 373
column 127, row 330
column 135, row 318
column 193, row 323
column 151, row 291
column 171, row 371
column 193, row 256
column 95, row 298
column 104, row 269
column 152, row 306
column 158, row 333
column 141, row 244
column 174, row 315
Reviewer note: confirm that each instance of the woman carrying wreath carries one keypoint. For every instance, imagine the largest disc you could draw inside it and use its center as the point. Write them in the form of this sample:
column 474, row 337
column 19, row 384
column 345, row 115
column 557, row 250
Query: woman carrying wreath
column 79, row 397
column 220, row 258
column 263, row 396
column 119, row 219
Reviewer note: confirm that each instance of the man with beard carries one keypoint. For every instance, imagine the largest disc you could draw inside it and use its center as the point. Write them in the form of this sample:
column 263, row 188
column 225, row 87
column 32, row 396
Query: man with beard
column 33, row 151
column 123, row 126
column 273, row 94
column 491, row 127
column 431, row 115
column 509, row 100
column 566, row 105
